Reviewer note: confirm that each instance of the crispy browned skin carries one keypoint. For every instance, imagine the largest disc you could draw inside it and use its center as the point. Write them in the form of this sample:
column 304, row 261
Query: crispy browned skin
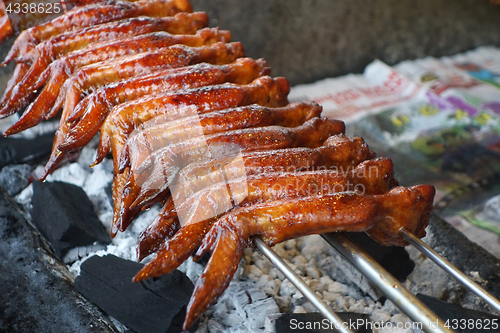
column 278, row 221
column 117, row 188
column 98, row 74
column 40, row 109
column 311, row 134
column 91, row 77
column 150, row 186
column 90, row 15
column 27, row 19
column 215, row 130
column 55, row 47
column 369, row 177
column 99, row 103
column 19, row 72
column 45, row 53
column 146, row 141
column 159, row 231
column 124, row 118
column 339, row 153
column 5, row 27
column 86, row 16
column 402, row 203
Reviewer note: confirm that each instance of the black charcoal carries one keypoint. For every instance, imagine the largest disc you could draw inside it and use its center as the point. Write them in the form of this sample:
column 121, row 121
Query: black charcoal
column 25, row 151
column 36, row 290
column 154, row 305
column 394, row 259
column 64, row 215
column 15, row 178
column 455, row 316
column 316, row 323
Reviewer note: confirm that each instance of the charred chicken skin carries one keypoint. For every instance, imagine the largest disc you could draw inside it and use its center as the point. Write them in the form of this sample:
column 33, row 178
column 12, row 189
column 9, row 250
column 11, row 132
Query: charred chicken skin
column 194, row 125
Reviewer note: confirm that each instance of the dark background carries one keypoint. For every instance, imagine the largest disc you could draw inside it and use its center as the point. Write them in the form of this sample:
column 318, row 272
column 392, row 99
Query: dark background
column 307, row 40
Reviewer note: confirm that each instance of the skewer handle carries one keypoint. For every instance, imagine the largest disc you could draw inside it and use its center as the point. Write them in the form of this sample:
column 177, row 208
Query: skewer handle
column 389, row 285
column 300, row 285
column 452, row 270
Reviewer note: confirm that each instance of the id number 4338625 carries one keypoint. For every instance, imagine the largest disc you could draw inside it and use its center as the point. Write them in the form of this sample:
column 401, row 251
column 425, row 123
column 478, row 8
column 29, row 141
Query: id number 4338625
column 39, row 8
column 473, row 324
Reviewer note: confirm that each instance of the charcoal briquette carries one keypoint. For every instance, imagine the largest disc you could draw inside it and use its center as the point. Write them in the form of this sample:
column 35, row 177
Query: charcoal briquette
column 64, row 215
column 154, row 305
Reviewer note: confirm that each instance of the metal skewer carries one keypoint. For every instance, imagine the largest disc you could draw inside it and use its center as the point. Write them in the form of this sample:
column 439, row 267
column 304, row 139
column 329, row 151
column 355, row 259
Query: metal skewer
column 389, row 285
column 452, row 270
column 300, row 285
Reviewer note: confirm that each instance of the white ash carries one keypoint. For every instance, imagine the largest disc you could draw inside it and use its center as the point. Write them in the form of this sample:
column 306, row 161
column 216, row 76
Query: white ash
column 258, row 289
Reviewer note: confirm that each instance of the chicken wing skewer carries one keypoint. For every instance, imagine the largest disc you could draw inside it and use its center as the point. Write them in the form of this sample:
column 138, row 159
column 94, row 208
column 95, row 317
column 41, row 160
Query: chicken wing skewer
column 369, row 177
column 339, row 153
column 278, row 221
column 90, row 15
column 151, row 186
column 45, row 53
column 95, row 107
column 194, row 125
column 144, row 141
column 102, row 73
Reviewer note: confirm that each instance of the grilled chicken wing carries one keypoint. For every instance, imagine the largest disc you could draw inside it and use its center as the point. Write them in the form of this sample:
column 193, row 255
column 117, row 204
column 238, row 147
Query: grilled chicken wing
column 45, row 53
column 278, row 221
column 102, row 73
column 90, row 15
column 81, row 17
column 338, row 152
column 146, row 141
column 369, row 177
column 95, row 107
column 150, row 186
column 124, row 118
